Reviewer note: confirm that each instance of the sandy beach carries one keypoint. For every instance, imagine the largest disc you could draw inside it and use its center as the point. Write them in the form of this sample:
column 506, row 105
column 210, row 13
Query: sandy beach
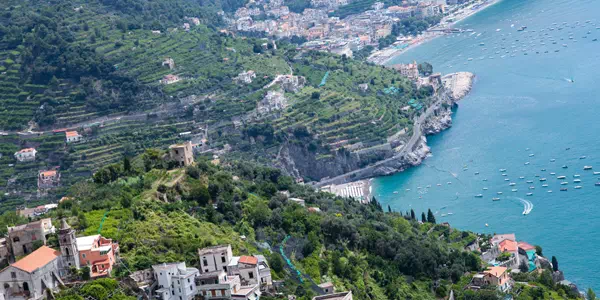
column 384, row 56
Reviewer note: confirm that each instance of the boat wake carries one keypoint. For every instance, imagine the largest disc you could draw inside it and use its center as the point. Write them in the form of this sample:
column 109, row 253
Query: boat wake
column 527, row 206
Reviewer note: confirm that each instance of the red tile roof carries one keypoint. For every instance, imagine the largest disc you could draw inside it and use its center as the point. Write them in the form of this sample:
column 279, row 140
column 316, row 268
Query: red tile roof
column 496, row 271
column 249, row 260
column 508, row 245
column 525, row 246
column 37, row 259
column 71, row 133
column 26, row 150
column 48, row 173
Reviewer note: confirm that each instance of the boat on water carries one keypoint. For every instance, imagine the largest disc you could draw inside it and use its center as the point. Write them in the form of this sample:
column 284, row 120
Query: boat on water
column 532, row 187
column 503, row 174
column 543, row 170
column 576, row 176
column 587, row 167
column 597, row 184
column 502, row 170
column 485, row 189
column 563, row 189
column 527, row 163
column 476, row 173
column 521, row 177
column 596, row 173
column 448, row 182
column 514, row 190
column 565, row 167
column 439, row 184
column 499, row 193
column 549, row 191
column 481, row 44
column 529, row 194
column 552, row 173
column 561, row 177
column 495, row 199
column 450, row 214
column 512, row 184
column 531, row 155
column 479, row 196
column 543, row 179
column 407, row 190
column 529, row 181
column 485, row 179
column 577, row 180
column 395, row 192
column 552, row 160
column 544, row 185
column 564, row 183
column 578, row 187
column 583, row 157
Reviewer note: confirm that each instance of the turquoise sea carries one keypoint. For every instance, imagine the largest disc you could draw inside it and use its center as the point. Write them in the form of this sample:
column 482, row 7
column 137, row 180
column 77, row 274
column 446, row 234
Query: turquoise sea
column 523, row 98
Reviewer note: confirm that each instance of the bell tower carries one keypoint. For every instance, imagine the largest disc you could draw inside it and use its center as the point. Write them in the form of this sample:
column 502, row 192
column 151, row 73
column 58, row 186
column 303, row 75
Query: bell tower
column 68, row 246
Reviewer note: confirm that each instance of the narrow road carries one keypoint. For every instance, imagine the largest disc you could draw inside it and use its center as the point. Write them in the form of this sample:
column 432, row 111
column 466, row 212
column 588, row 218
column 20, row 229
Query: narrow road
column 417, row 133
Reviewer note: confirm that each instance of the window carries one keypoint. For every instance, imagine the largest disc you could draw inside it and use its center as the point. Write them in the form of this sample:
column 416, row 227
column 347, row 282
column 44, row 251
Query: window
column 13, row 275
column 191, row 287
column 83, row 255
column 223, row 258
column 173, row 292
column 16, row 239
column 204, row 262
column 250, row 275
column 188, row 280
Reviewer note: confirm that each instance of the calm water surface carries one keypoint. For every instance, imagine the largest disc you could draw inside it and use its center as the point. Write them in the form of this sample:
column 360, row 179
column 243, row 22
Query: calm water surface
column 519, row 101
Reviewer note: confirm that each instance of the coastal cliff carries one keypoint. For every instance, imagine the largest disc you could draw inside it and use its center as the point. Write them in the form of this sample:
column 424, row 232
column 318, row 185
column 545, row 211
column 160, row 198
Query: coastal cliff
column 399, row 153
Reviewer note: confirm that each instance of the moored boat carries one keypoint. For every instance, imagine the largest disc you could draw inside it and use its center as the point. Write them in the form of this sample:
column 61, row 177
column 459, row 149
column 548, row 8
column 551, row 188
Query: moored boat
column 563, row 189
column 479, row 196
column 578, row 187
column 561, row 177
column 495, row 199
column 587, row 167
column 564, row 183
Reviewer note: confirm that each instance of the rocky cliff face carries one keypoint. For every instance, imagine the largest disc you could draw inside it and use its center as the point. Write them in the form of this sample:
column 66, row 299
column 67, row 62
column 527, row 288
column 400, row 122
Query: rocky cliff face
column 298, row 161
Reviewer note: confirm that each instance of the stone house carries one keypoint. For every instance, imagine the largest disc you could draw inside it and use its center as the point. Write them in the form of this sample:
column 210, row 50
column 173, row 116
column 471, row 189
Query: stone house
column 27, row 154
column 411, row 71
column 327, row 287
column 169, row 79
column 21, row 238
column 494, row 276
column 175, row 281
column 48, row 179
column 30, row 277
column 183, row 154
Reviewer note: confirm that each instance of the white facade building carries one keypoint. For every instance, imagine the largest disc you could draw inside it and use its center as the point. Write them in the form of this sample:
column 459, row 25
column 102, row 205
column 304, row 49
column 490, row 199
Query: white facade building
column 215, row 258
column 175, row 281
column 27, row 154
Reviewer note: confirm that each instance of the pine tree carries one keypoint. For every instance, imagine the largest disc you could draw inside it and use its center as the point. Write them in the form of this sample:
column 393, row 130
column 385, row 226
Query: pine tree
column 590, row 294
column 389, row 208
column 554, row 263
column 430, row 217
column 412, row 214
column 423, row 218
column 523, row 267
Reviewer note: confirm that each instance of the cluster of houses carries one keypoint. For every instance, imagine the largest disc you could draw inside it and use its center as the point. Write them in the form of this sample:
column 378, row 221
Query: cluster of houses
column 340, row 36
column 505, row 255
column 33, row 267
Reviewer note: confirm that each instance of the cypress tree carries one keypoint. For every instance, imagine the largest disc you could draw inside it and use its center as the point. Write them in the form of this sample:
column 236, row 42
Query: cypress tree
column 389, row 208
column 430, row 217
column 423, row 218
column 412, row 214
column 554, row 263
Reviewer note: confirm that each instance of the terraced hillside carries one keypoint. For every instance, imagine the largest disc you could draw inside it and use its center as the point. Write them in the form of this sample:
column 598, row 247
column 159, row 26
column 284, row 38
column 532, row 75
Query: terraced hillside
column 134, row 74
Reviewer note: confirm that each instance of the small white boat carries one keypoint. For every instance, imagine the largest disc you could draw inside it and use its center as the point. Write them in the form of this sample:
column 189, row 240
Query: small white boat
column 587, row 167
column 439, row 184
column 529, row 181
column 476, row 173
column 552, row 160
column 486, row 225
column 502, row 170
column 407, row 190
column 448, row 182
column 544, row 185
column 565, row 167
column 552, row 173
column 504, row 174
column 529, row 194
column 495, row 199
column 395, row 192
column 499, row 193
column 596, row 173
column 578, row 187
column 512, row 184
column 577, row 180
column 543, row 179
column 506, row 179
column 532, row 187
column 479, row 196
column 531, row 155
column 527, row 163
column 514, row 190
column 564, row 183
column 521, row 177
column 450, row 214
column 576, row 176
column 561, row 177
column 583, row 157
column 485, row 189
column 485, row 179
column 549, row 191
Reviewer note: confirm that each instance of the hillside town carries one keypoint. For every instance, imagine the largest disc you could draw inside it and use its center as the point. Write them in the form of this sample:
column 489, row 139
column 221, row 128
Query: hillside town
column 324, row 31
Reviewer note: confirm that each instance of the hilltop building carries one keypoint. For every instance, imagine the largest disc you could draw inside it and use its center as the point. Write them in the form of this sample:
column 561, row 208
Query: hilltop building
column 48, row 179
column 408, row 70
column 30, row 277
column 494, row 276
column 22, row 238
column 27, row 154
column 169, row 79
column 183, row 154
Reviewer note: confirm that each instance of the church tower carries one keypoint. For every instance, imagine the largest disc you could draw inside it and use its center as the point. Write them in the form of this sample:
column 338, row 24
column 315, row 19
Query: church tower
column 68, row 246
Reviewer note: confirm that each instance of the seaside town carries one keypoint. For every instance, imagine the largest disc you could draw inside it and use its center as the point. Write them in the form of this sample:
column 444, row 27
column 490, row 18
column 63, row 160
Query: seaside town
column 324, row 31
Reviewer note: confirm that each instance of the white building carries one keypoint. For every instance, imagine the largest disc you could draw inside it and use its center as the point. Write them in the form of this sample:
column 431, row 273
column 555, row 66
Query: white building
column 175, row 281
column 27, row 154
column 72, row 136
column 31, row 276
column 214, row 258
